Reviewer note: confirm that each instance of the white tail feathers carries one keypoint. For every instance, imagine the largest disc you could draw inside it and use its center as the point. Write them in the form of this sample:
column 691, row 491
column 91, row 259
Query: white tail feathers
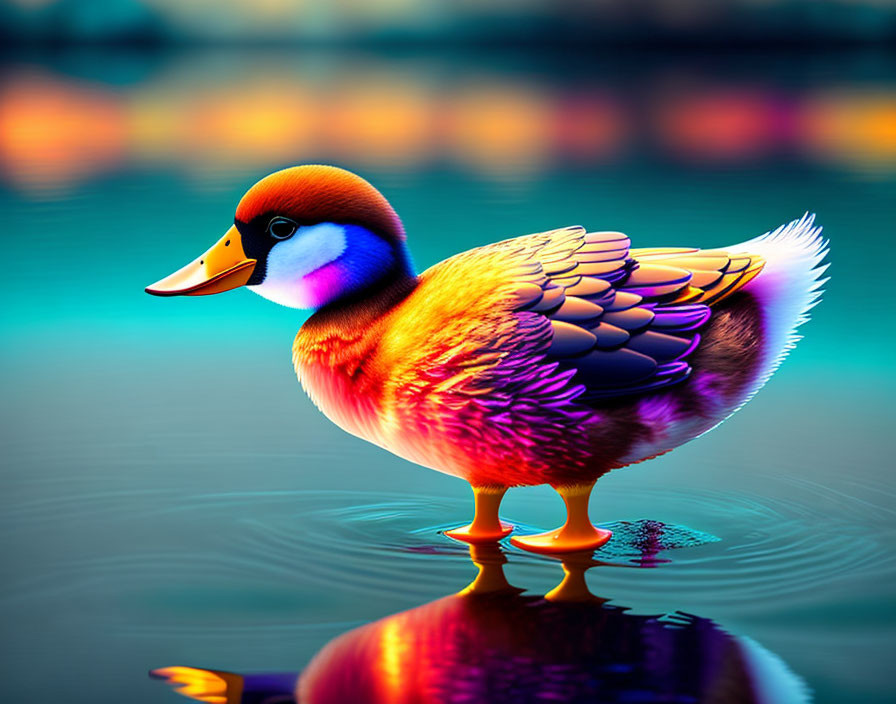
column 788, row 287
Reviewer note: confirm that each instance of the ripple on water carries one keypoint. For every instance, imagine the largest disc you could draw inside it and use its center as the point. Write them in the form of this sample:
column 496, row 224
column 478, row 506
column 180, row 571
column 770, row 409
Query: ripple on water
column 377, row 544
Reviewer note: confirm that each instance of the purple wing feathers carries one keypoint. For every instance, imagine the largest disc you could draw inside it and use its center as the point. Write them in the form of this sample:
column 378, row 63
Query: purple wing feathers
column 615, row 323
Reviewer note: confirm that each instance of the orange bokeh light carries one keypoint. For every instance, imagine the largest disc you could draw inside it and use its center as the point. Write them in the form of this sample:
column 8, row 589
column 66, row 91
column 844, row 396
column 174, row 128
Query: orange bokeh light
column 255, row 124
column 54, row 132
column 380, row 121
column 858, row 128
column 498, row 129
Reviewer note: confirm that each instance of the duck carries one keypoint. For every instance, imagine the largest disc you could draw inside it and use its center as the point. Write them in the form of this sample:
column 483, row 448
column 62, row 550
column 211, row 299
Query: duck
column 545, row 359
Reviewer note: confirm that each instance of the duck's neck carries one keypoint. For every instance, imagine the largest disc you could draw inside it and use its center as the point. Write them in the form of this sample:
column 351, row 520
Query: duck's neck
column 347, row 327
column 363, row 307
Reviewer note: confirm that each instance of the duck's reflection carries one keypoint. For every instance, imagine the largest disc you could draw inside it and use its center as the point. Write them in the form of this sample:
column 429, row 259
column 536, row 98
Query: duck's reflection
column 491, row 644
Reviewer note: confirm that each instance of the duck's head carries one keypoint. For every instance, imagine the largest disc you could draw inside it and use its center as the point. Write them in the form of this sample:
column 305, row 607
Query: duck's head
column 303, row 237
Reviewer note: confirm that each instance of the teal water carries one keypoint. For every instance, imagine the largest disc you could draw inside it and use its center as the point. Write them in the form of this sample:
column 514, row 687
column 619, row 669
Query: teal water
column 171, row 497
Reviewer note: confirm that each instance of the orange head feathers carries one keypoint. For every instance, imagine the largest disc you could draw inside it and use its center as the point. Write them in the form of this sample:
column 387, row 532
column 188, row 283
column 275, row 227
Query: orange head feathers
column 313, row 194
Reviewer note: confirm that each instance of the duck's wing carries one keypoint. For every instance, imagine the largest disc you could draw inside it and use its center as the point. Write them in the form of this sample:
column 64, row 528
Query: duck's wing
column 607, row 320
column 625, row 320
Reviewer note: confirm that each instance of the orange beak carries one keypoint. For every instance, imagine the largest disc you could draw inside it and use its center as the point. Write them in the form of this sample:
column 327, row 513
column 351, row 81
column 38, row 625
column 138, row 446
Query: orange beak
column 210, row 686
column 221, row 268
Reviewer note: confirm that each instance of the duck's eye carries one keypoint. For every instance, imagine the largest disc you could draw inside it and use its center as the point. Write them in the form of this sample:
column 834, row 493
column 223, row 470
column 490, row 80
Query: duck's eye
column 282, row 228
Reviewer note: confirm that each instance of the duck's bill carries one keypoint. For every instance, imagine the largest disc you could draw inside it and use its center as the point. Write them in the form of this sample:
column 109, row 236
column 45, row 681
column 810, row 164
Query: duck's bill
column 223, row 267
column 211, row 686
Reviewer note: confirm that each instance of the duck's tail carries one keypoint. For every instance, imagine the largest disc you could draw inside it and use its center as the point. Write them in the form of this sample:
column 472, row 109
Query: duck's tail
column 220, row 687
column 788, row 287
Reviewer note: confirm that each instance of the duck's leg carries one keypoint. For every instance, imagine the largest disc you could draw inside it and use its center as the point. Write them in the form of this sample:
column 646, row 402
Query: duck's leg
column 486, row 526
column 576, row 534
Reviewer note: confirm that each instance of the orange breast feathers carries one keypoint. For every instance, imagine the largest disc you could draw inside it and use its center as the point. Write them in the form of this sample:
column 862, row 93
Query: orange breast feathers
column 454, row 377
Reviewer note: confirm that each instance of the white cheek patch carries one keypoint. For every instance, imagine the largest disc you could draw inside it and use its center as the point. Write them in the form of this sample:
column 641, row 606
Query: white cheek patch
column 290, row 261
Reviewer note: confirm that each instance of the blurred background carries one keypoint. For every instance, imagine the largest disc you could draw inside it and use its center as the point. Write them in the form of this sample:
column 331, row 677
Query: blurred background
column 451, row 22
column 169, row 496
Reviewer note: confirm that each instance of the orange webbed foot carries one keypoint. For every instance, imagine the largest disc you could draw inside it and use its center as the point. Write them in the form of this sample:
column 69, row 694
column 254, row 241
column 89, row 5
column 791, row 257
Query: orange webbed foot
column 561, row 541
column 471, row 534
column 576, row 534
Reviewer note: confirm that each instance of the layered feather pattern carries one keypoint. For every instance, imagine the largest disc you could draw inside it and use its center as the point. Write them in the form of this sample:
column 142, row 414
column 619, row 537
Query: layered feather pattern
column 626, row 320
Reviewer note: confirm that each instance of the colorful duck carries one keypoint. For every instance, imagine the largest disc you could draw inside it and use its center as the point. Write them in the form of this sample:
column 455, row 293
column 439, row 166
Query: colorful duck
column 550, row 358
